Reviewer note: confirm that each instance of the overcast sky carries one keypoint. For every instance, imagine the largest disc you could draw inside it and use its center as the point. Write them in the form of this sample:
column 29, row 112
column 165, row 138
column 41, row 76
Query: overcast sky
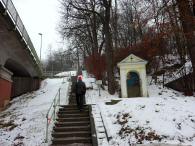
column 41, row 16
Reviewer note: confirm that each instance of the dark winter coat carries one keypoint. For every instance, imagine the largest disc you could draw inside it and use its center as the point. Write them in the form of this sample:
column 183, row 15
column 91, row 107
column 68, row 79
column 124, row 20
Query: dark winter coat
column 80, row 88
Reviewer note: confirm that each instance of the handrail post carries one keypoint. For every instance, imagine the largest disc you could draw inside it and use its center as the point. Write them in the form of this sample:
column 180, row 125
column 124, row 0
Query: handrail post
column 16, row 21
column 59, row 95
column 47, row 126
column 55, row 103
column 6, row 6
column 54, row 110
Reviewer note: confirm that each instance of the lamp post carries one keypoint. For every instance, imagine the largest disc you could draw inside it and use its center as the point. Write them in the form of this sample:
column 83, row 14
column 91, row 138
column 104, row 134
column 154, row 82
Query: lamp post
column 40, row 45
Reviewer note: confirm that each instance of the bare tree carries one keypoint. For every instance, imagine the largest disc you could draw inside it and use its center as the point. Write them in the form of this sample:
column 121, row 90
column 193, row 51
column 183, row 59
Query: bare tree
column 187, row 20
column 92, row 17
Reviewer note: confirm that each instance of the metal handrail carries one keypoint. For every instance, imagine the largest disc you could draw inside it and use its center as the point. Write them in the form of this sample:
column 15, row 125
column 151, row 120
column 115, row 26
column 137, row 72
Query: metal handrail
column 53, row 109
column 12, row 12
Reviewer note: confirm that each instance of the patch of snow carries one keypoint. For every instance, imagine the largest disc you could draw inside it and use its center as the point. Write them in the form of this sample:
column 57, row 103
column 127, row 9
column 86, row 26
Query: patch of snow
column 92, row 96
column 66, row 74
column 160, row 91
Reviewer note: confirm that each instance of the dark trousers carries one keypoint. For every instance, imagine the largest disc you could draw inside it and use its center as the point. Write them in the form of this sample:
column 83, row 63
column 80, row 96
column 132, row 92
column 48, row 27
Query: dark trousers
column 80, row 99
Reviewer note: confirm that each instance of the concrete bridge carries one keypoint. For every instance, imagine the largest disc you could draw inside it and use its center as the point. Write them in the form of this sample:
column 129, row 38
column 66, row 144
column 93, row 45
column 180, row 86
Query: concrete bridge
column 20, row 68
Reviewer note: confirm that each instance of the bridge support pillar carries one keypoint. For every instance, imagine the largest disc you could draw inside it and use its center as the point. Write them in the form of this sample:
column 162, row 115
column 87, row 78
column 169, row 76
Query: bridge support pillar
column 5, row 86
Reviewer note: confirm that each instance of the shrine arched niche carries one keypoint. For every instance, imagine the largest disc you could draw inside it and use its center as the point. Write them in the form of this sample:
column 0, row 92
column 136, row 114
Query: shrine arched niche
column 133, row 84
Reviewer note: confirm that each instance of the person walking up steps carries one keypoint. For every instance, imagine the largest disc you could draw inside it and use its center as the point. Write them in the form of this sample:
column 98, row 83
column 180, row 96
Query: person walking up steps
column 80, row 92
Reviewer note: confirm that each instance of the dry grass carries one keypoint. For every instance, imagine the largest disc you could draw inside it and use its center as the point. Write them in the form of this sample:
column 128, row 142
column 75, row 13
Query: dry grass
column 10, row 125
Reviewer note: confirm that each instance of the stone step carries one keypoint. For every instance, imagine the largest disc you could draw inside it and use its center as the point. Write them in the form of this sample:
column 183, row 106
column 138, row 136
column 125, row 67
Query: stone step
column 75, row 123
column 74, row 144
column 72, row 102
column 72, row 108
column 71, row 134
column 70, row 105
column 70, row 119
column 73, row 99
column 73, row 115
column 72, row 95
column 73, row 112
column 72, row 128
column 71, row 140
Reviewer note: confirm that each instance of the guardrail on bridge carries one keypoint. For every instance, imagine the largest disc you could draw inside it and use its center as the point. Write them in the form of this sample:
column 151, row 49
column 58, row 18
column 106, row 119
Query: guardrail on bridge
column 12, row 12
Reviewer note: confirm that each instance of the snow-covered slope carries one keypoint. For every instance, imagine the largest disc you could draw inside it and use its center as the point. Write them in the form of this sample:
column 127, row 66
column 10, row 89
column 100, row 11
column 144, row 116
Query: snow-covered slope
column 24, row 122
column 145, row 120
column 166, row 116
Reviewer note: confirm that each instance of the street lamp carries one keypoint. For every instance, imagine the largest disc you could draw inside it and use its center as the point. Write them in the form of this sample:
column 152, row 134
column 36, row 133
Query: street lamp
column 40, row 45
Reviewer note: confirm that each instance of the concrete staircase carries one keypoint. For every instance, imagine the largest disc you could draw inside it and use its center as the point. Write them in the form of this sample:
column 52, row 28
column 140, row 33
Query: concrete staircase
column 72, row 126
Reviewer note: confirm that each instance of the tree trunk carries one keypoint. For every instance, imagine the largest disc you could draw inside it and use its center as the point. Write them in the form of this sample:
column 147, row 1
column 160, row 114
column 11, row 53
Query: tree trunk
column 177, row 34
column 186, row 17
column 78, row 63
column 115, row 26
column 108, row 48
column 194, row 8
column 94, row 32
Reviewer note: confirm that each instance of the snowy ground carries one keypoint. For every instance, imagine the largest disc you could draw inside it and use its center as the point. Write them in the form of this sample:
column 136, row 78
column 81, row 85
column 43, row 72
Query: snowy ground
column 145, row 120
column 165, row 117
column 24, row 122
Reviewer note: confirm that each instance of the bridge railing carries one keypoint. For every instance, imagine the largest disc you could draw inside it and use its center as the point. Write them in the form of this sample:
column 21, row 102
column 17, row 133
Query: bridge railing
column 12, row 12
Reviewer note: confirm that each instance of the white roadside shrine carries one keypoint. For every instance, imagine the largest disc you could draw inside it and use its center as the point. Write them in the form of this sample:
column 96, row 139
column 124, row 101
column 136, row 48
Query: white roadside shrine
column 133, row 77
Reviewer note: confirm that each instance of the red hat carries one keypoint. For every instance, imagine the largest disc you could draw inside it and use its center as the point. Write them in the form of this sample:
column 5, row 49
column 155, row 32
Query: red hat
column 80, row 77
